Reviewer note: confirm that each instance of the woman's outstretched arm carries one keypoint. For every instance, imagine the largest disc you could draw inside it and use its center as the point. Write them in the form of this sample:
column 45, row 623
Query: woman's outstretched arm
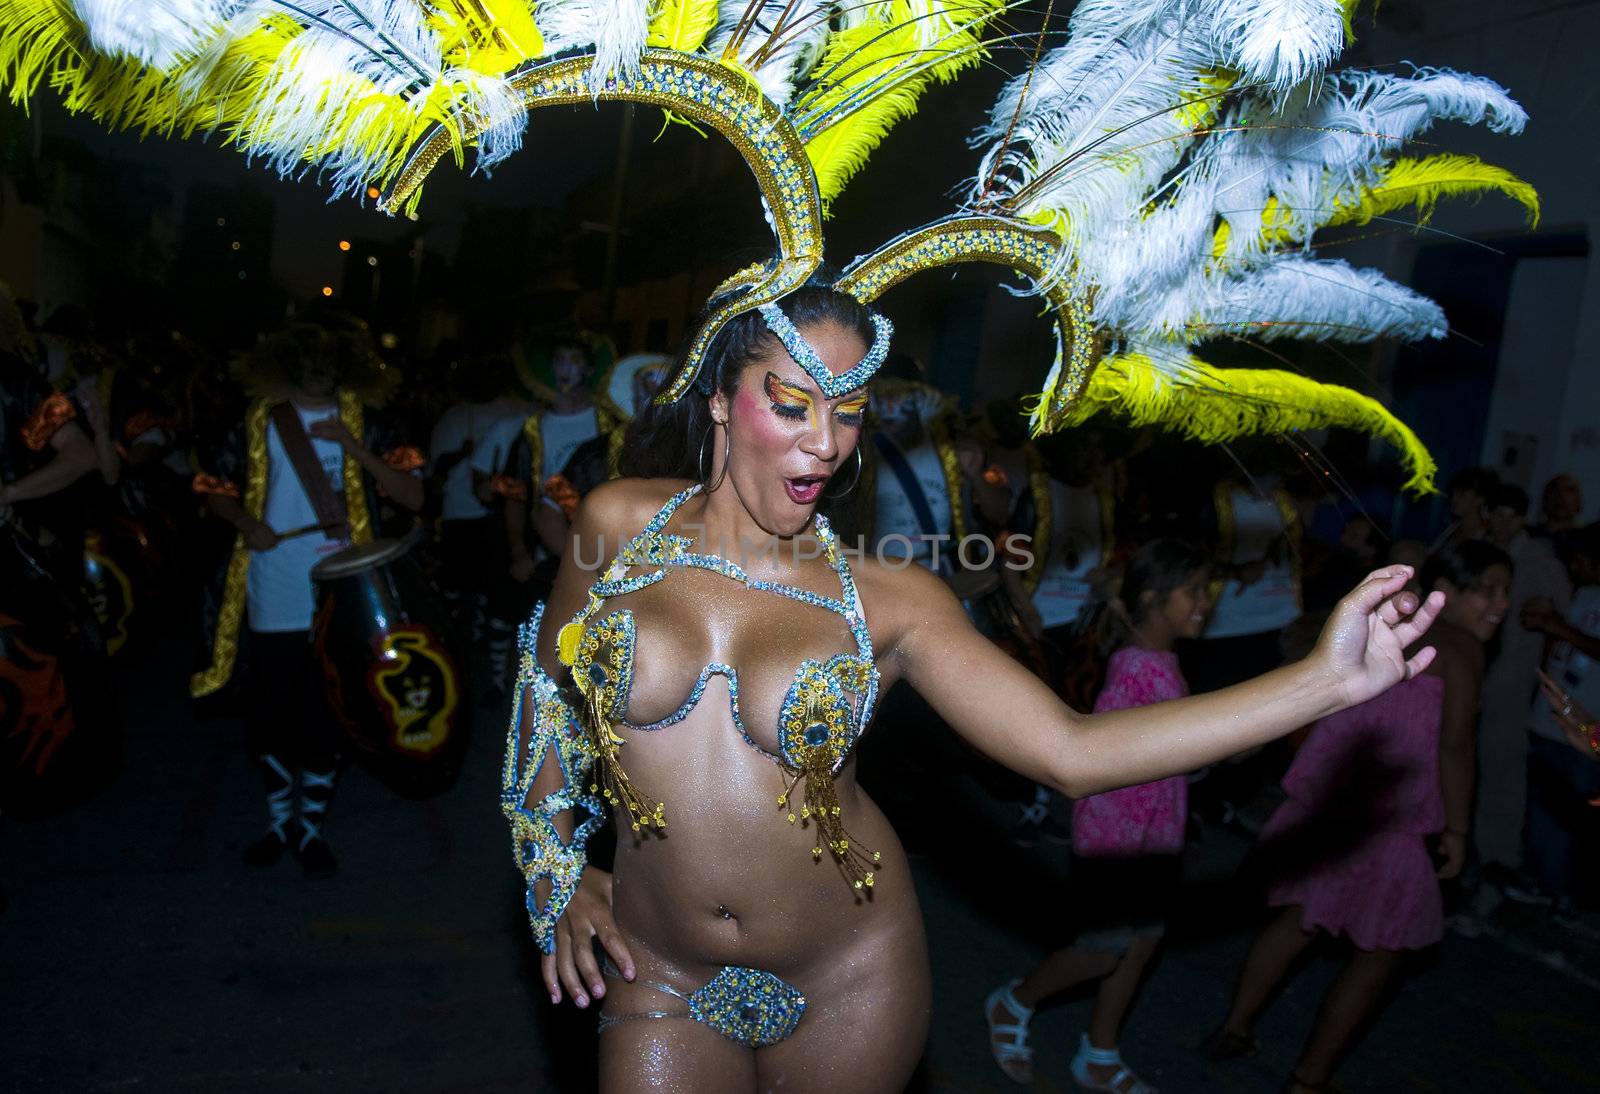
column 1007, row 712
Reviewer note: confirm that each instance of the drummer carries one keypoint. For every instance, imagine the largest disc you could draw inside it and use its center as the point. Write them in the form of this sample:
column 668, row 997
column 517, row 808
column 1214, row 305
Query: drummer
column 296, row 480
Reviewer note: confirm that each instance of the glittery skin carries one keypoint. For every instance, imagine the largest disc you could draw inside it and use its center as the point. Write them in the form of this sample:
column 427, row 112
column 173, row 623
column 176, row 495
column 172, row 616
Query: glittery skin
column 540, row 852
column 838, row 694
column 832, row 386
column 1031, row 250
column 720, row 98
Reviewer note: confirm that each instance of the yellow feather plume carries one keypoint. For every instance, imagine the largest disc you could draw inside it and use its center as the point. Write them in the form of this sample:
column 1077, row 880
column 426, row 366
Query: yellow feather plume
column 1407, row 183
column 253, row 88
column 682, row 24
column 1213, row 405
column 1421, row 183
column 488, row 36
column 35, row 37
column 871, row 76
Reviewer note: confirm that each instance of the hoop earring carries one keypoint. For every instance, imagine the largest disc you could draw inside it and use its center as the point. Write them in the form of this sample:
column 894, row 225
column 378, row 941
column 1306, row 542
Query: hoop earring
column 726, row 444
column 860, row 460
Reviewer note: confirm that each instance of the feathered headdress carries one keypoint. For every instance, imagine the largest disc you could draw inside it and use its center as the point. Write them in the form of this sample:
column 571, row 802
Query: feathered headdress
column 1157, row 178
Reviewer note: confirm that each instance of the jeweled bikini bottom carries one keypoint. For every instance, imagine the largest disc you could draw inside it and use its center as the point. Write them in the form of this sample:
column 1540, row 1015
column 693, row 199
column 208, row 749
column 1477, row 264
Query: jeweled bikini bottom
column 749, row 1006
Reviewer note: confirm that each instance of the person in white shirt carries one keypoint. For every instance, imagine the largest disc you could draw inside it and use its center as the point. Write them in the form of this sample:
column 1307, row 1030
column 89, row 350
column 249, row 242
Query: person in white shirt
column 286, row 524
column 1561, row 782
column 514, row 462
column 471, row 543
column 1508, row 688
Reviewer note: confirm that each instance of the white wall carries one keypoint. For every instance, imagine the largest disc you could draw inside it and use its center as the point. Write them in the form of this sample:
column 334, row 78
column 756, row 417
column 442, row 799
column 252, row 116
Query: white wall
column 1543, row 52
column 1534, row 410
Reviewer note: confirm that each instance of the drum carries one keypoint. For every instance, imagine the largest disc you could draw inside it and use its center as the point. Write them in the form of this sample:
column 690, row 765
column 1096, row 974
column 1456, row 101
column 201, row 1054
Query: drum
column 390, row 678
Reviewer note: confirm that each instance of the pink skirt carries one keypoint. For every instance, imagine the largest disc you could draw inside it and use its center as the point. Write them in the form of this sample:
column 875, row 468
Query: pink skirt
column 1378, row 888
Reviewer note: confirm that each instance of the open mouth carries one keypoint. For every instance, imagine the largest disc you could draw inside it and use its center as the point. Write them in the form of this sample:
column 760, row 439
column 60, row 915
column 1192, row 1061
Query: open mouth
column 805, row 489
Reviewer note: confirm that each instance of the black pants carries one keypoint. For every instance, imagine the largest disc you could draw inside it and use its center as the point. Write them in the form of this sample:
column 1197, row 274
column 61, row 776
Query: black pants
column 289, row 716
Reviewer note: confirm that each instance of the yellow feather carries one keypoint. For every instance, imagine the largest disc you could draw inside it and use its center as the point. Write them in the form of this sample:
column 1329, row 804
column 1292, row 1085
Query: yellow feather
column 36, row 36
column 1420, row 183
column 871, row 76
column 1213, row 405
column 682, row 24
column 1406, row 183
column 488, row 36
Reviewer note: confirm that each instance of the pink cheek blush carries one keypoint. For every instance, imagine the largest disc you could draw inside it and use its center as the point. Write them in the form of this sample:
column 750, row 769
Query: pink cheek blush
column 764, row 427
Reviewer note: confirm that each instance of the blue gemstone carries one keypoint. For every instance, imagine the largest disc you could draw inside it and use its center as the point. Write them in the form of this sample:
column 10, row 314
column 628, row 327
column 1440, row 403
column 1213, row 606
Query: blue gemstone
column 598, row 675
column 816, row 734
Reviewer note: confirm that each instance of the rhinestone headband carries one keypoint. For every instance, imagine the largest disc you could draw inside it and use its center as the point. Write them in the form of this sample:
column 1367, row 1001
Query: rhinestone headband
column 832, row 386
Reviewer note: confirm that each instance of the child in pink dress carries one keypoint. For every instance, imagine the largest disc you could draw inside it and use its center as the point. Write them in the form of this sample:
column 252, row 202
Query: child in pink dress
column 1125, row 842
column 1346, row 855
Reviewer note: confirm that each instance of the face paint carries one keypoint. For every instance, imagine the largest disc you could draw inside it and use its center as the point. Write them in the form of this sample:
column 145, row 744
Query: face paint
column 790, row 401
column 851, row 411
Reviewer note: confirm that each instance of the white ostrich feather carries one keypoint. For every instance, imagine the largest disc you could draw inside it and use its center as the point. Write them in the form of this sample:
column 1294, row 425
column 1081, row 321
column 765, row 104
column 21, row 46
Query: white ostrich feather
column 799, row 41
column 615, row 29
column 1276, row 43
column 158, row 33
column 1113, row 112
column 1320, row 299
column 1331, row 138
column 1065, row 149
column 319, row 87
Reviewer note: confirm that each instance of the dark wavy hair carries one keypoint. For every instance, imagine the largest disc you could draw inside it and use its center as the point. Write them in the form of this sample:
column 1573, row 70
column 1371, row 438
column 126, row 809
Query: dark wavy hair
column 665, row 441
column 1159, row 567
column 1462, row 563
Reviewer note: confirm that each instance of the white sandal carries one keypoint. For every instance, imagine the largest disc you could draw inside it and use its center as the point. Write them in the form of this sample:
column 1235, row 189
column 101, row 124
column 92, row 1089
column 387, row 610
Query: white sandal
column 1014, row 1056
column 1106, row 1057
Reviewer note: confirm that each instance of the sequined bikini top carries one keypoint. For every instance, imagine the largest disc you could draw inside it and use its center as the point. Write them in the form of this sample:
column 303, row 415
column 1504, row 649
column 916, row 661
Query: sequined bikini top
column 824, row 712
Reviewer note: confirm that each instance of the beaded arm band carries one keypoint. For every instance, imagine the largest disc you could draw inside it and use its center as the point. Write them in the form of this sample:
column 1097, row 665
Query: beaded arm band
column 543, row 724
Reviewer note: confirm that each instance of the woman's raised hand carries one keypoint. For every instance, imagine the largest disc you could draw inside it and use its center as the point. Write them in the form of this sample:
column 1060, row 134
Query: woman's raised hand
column 1363, row 646
column 588, row 917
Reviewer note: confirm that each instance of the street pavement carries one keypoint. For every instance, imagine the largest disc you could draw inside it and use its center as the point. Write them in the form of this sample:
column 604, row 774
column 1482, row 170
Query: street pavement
column 138, row 953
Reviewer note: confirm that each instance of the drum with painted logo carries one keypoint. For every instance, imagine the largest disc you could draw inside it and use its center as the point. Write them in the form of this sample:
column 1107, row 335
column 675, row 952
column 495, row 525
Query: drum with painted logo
column 381, row 636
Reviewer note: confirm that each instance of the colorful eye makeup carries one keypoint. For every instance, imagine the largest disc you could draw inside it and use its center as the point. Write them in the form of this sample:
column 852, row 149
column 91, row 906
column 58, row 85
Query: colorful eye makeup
column 851, row 410
column 796, row 403
column 788, row 400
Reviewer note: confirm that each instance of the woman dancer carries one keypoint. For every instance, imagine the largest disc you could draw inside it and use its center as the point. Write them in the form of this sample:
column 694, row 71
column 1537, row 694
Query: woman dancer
column 1126, row 842
column 755, row 884
column 1346, row 853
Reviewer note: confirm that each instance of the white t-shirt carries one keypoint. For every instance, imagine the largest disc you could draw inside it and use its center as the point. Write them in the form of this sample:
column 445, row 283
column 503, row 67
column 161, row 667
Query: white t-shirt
column 278, row 588
column 1272, row 601
column 896, row 516
column 459, row 424
column 1076, row 530
column 1572, row 670
column 561, row 434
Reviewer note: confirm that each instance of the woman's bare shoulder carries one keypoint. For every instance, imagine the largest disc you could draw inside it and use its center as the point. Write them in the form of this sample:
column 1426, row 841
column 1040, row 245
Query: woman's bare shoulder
column 621, row 507
column 899, row 595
